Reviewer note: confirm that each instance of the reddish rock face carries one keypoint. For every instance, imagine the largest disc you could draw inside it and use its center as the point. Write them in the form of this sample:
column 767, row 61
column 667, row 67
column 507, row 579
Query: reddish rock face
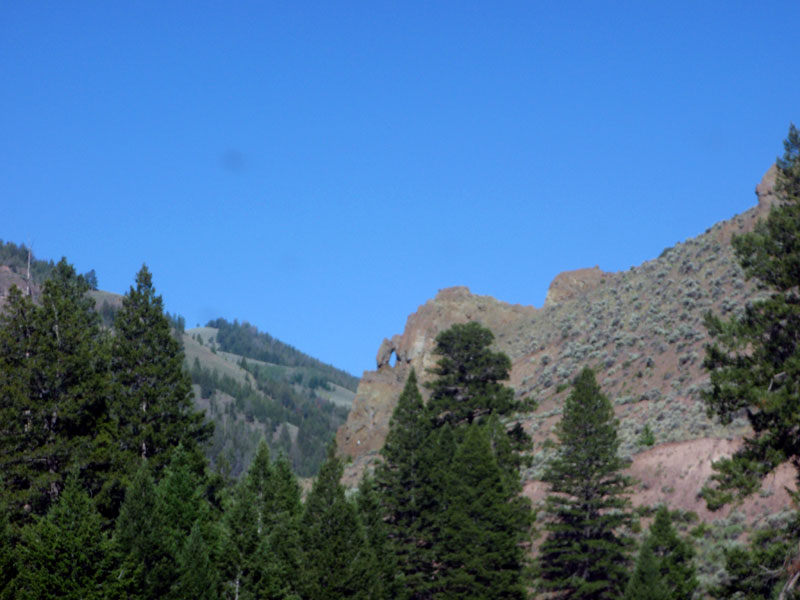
column 641, row 330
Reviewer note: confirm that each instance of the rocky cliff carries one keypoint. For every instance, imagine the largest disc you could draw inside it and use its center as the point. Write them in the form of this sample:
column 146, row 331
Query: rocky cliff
column 641, row 329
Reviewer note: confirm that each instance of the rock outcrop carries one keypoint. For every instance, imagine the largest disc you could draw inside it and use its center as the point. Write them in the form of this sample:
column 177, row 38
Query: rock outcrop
column 641, row 330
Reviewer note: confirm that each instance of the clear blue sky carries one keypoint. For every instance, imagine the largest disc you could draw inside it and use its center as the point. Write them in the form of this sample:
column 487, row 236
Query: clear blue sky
column 320, row 169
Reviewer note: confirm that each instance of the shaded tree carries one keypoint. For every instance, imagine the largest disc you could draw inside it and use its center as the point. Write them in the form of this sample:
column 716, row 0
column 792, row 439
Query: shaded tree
column 337, row 561
column 62, row 555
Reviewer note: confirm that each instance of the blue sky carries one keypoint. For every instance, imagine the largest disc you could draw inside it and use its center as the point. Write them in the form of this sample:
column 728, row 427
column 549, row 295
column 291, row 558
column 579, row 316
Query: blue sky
column 320, row 169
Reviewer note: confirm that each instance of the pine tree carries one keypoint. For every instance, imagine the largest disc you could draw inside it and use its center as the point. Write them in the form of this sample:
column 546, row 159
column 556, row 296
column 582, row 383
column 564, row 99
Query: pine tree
column 584, row 554
column 62, row 555
column 154, row 411
column 54, row 394
column 468, row 376
column 337, row 561
column 754, row 361
column 427, row 512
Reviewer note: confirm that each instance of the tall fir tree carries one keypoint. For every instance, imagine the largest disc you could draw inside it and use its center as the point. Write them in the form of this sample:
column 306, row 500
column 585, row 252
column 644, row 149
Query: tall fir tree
column 402, row 480
column 428, row 513
column 754, row 361
column 197, row 576
column 484, row 525
column 54, row 395
column 585, row 555
column 154, row 411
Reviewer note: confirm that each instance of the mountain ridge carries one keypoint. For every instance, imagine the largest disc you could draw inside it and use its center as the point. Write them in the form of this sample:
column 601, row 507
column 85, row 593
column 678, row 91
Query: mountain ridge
column 641, row 330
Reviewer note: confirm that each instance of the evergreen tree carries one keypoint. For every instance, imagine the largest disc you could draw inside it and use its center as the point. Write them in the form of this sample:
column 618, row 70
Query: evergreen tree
column 62, row 555
column 241, row 543
column 197, row 575
column 337, row 561
column 646, row 582
column 754, row 361
column 155, row 411
column 402, row 479
column 484, row 525
column 144, row 567
column 758, row 571
column 584, row 554
column 664, row 567
column 468, row 376
column 54, row 393
column 675, row 557
column 8, row 568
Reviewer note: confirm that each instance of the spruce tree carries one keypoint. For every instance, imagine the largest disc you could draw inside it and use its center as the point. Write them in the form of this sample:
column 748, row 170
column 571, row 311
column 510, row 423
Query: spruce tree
column 63, row 554
column 484, row 525
column 54, row 394
column 401, row 479
column 337, row 561
column 241, row 542
column 197, row 574
column 646, row 582
column 585, row 554
column 154, row 411
column 664, row 568
column 754, row 361
column 144, row 566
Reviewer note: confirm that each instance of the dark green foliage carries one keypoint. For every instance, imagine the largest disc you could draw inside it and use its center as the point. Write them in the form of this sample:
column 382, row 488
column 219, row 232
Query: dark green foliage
column 154, row 412
column 7, row 558
column 245, row 339
column 91, row 279
column 197, row 575
column 758, row 571
column 62, row 555
column 54, row 394
column 645, row 583
column 674, row 556
column 484, row 525
column 468, row 375
column 402, row 479
column 585, row 555
column 449, row 484
column 664, row 568
column 337, row 562
column 144, row 568
column 754, row 361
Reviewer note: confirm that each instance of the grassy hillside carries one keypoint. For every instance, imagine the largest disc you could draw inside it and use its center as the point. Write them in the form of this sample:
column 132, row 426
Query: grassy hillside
column 295, row 407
